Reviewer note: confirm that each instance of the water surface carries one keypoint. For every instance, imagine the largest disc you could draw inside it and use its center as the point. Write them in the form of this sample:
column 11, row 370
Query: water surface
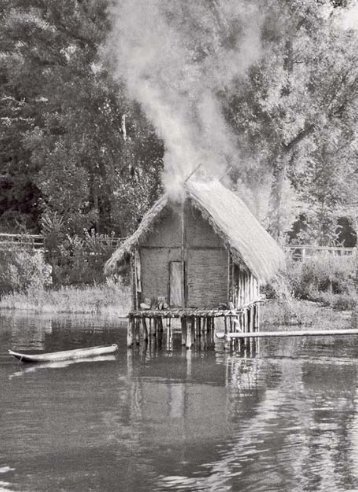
column 164, row 418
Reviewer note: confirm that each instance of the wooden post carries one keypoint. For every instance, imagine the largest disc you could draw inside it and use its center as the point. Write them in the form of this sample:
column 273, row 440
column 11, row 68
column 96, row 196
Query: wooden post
column 136, row 330
column 203, row 325
column 199, row 326
column 133, row 282
column 130, row 332
column 189, row 333
column 229, row 297
column 145, row 330
column 252, row 317
column 183, row 253
column 227, row 344
column 183, row 330
column 257, row 317
column 169, row 338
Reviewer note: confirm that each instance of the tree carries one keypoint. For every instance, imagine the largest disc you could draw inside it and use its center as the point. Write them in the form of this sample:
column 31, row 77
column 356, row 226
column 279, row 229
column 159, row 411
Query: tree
column 302, row 93
column 64, row 132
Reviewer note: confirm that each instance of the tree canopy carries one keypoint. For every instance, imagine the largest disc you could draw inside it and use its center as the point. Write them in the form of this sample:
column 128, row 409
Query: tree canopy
column 79, row 150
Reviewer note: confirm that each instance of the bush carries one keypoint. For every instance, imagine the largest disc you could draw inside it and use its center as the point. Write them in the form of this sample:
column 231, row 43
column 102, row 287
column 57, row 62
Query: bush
column 80, row 260
column 21, row 269
column 325, row 278
column 319, row 274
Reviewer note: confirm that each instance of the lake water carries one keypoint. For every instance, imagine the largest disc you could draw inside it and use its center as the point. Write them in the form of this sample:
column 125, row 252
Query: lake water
column 166, row 419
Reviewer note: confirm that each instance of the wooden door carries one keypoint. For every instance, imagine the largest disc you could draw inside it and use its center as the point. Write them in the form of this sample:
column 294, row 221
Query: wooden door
column 176, row 284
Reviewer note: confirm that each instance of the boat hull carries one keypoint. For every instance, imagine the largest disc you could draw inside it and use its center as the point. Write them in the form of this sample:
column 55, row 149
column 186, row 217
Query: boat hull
column 66, row 354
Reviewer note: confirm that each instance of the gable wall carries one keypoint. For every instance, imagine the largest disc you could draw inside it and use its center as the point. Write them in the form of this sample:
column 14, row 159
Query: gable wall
column 206, row 258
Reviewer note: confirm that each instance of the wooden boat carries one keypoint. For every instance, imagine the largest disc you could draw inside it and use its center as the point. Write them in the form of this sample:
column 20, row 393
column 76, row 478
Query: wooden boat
column 66, row 354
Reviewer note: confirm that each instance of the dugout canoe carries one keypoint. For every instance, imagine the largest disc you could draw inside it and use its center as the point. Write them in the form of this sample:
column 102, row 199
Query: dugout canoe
column 66, row 354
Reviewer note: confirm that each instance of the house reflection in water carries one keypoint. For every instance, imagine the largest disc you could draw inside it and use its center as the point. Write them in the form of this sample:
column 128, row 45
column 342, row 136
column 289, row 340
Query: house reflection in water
column 192, row 404
column 270, row 421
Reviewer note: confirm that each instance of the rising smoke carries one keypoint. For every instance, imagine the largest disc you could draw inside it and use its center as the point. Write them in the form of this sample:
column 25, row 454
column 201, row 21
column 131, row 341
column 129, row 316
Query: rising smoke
column 175, row 57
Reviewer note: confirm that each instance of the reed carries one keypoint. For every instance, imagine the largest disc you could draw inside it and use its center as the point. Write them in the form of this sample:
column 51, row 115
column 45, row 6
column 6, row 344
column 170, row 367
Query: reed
column 108, row 298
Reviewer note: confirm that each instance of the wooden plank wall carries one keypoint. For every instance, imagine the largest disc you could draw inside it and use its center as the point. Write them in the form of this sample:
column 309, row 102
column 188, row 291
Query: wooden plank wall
column 245, row 287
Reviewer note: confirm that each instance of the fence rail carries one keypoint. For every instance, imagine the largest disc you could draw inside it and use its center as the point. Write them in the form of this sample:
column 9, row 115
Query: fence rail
column 301, row 252
column 28, row 241
column 36, row 241
column 298, row 252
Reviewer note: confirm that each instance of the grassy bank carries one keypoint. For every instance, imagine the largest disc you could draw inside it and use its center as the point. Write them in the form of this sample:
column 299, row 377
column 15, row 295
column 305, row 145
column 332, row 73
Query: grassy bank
column 100, row 299
column 295, row 313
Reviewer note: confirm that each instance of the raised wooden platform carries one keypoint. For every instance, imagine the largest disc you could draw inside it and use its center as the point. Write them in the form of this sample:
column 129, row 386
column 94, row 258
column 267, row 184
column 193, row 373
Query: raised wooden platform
column 194, row 323
column 180, row 313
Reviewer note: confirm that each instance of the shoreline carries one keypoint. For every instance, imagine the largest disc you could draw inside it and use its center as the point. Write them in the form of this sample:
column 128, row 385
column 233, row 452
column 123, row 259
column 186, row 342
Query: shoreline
column 113, row 300
column 104, row 299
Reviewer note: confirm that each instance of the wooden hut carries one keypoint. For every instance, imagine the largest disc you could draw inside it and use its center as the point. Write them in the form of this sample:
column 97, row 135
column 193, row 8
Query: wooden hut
column 203, row 257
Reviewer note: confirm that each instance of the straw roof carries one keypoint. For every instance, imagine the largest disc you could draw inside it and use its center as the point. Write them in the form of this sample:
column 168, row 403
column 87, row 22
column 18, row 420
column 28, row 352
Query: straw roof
column 231, row 219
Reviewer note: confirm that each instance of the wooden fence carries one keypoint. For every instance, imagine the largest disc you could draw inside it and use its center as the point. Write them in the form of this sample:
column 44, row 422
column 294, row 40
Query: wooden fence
column 298, row 252
column 307, row 251
column 26, row 241
column 36, row 241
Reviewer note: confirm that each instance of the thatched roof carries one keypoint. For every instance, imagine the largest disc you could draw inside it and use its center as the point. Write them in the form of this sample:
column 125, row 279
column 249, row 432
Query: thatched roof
column 241, row 232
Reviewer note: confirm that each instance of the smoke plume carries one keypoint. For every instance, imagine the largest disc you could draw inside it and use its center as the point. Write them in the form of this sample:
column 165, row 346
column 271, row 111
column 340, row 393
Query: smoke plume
column 176, row 57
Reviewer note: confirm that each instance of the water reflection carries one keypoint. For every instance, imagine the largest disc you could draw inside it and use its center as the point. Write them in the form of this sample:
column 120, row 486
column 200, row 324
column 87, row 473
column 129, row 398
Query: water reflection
column 282, row 416
column 31, row 368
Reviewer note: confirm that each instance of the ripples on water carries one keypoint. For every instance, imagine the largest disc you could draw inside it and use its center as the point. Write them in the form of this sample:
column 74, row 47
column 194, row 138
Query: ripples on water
column 282, row 418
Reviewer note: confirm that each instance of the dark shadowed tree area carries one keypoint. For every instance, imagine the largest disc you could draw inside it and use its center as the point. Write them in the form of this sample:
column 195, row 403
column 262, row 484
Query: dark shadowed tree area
column 78, row 155
column 72, row 144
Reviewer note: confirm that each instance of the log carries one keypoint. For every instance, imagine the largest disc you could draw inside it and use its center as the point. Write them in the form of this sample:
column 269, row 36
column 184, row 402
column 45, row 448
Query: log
column 293, row 333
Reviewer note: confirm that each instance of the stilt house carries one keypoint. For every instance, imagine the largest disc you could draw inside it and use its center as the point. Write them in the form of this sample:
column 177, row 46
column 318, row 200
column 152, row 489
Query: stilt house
column 208, row 252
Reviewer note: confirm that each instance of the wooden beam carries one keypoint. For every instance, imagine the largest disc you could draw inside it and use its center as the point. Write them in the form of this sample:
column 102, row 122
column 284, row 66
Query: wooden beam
column 182, row 255
column 292, row 333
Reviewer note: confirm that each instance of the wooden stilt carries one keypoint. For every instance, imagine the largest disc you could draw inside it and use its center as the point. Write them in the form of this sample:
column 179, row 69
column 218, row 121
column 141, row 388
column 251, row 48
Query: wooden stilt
column 183, row 331
column 203, row 325
column 137, row 331
column 189, row 333
column 251, row 319
column 169, row 338
column 130, row 333
column 257, row 316
column 145, row 330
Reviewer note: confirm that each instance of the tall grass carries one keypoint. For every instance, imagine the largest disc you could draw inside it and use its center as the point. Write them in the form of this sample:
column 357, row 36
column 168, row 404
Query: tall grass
column 108, row 298
column 329, row 280
column 300, row 313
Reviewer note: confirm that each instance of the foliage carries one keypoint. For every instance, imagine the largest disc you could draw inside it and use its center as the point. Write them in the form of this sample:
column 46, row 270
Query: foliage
column 322, row 274
column 75, row 147
column 79, row 259
column 296, row 115
column 111, row 298
column 299, row 313
column 21, row 270
column 65, row 149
